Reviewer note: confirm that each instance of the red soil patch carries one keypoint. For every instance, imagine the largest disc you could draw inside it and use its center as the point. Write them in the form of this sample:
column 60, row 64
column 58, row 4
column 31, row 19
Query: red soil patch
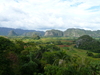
column 13, row 57
column 63, row 45
column 67, row 40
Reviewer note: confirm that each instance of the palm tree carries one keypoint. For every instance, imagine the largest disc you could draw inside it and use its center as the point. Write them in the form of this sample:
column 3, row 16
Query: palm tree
column 61, row 58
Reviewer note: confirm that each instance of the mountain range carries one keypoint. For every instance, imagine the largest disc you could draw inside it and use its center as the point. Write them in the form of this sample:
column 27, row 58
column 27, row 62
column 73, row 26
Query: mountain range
column 5, row 31
column 71, row 32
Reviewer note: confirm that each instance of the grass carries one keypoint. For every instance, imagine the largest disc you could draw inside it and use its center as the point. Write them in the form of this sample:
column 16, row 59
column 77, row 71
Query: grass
column 82, row 53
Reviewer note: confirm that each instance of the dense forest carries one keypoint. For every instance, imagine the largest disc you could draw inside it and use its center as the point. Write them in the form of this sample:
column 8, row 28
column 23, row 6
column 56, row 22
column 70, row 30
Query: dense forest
column 38, row 55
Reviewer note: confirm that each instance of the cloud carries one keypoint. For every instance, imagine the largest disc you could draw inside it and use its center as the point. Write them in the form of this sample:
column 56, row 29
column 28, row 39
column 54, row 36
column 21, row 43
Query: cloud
column 50, row 14
column 94, row 8
column 76, row 4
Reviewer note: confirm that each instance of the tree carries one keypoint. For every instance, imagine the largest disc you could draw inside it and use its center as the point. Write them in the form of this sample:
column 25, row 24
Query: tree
column 19, row 46
column 48, row 57
column 61, row 58
column 5, row 64
column 29, row 68
column 6, row 44
column 36, row 37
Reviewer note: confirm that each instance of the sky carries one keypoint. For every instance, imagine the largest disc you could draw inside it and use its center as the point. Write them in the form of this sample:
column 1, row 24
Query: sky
column 50, row 14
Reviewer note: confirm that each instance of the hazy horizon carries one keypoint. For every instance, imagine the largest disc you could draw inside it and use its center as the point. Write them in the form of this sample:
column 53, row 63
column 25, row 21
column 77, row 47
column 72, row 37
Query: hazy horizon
column 50, row 14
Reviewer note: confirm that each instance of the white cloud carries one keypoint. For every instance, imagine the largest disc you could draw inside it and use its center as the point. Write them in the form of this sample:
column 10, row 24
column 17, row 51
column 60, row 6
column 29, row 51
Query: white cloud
column 50, row 14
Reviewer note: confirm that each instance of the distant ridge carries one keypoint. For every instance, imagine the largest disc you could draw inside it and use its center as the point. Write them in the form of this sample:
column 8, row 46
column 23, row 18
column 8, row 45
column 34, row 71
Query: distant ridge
column 54, row 33
column 71, row 32
column 5, row 31
column 12, row 33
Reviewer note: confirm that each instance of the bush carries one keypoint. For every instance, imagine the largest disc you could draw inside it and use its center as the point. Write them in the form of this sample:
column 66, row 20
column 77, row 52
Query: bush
column 89, row 54
column 97, row 56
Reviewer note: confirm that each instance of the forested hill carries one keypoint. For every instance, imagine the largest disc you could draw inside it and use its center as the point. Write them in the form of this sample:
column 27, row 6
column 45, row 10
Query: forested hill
column 5, row 31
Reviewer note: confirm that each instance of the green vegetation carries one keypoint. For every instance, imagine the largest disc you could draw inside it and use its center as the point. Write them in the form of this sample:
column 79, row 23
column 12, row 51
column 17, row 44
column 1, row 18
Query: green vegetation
column 29, row 34
column 75, row 32
column 36, row 37
column 88, row 43
column 53, row 33
column 37, row 55
column 71, row 32
column 12, row 33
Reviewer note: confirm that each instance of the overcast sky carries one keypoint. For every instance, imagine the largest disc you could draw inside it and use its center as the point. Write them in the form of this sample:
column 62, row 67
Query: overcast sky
column 50, row 14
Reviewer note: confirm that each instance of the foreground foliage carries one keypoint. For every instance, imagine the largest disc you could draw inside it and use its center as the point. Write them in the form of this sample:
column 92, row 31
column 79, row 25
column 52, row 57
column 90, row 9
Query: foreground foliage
column 42, row 58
